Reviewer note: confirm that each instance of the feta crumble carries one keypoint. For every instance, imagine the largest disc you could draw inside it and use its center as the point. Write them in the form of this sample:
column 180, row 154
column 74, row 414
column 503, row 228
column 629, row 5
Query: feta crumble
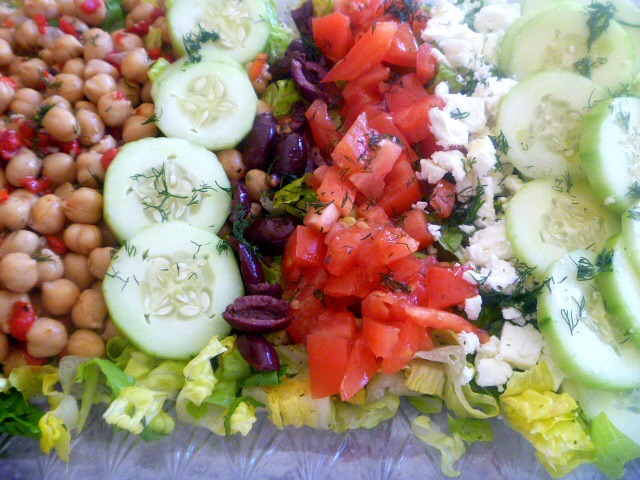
column 472, row 307
column 520, row 347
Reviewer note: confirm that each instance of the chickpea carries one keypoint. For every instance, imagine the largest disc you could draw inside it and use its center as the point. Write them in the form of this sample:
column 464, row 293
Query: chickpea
column 93, row 18
column 86, row 343
column 129, row 5
column 82, row 238
column 7, row 34
column 50, row 267
column 14, row 66
column 90, row 170
column 59, row 168
column 7, row 93
column 64, row 190
column 4, row 346
column 107, row 143
column 26, row 195
column 55, row 100
column 20, row 241
column 46, row 338
column 47, row 215
column 66, row 85
column 109, row 331
column 141, row 12
column 136, row 64
column 85, row 105
column 14, row 212
column 18, row 272
column 66, row 7
column 91, row 127
column 84, row 206
column 130, row 89
column 59, row 296
column 6, row 53
column 99, row 261
column 231, row 160
column 24, row 164
column 145, row 92
column 114, row 108
column 137, row 127
column 46, row 55
column 76, row 269
column 74, row 66
column 48, row 8
column 15, row 359
column 98, row 85
column 96, row 66
column 97, row 44
column 65, row 48
column 257, row 183
column 61, row 124
column 145, row 109
column 125, row 41
column 27, row 36
column 31, row 72
column 7, row 299
column 80, row 26
column 26, row 102
column 161, row 23
column 90, row 311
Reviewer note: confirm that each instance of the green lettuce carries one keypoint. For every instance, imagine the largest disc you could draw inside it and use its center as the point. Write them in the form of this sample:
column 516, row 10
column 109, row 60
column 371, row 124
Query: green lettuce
column 18, row 416
column 612, row 447
column 322, row 7
column 349, row 416
column 281, row 96
column 471, row 430
column 451, row 447
column 114, row 20
column 280, row 35
column 57, row 423
column 295, row 198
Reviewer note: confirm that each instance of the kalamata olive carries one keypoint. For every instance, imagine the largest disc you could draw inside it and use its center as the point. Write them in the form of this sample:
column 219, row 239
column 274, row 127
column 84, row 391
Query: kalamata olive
column 270, row 234
column 290, row 158
column 258, row 352
column 241, row 199
column 264, row 288
column 302, row 16
column 258, row 314
column 250, row 266
column 256, row 149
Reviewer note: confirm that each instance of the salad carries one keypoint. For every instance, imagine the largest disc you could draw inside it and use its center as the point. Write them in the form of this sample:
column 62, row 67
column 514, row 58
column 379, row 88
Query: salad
column 210, row 215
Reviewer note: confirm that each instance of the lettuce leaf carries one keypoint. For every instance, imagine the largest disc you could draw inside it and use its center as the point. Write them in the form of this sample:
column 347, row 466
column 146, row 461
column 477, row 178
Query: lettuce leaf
column 34, row 380
column 451, row 447
column 281, row 96
column 280, row 35
column 17, row 416
column 295, row 198
column 56, row 425
column 471, row 430
column 349, row 416
column 613, row 448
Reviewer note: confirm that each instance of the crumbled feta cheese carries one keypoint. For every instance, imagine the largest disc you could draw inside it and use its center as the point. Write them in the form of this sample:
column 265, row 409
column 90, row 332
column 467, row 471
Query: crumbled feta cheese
column 448, row 131
column 513, row 315
column 497, row 275
column 491, row 90
column 512, row 183
column 472, row 307
column 430, row 171
column 492, row 372
column 520, row 346
column 610, row 200
column 468, row 110
column 489, row 349
column 496, row 18
column 470, row 342
column 467, row 375
column 491, row 240
column 491, row 49
column 452, row 161
column 481, row 155
column 434, row 231
column 468, row 229
column 441, row 89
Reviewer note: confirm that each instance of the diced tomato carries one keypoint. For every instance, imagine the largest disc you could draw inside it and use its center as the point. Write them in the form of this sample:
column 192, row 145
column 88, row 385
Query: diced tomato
column 411, row 338
column 90, row 6
column 415, row 223
column 305, row 306
column 385, row 306
column 315, row 180
column 383, row 123
column 370, row 180
column 305, row 249
column 71, row 148
column 35, row 361
column 426, row 63
column 335, row 322
column 324, row 131
column 22, row 318
column 357, row 282
column 443, row 199
column 402, row 188
column 41, row 22
column 328, row 359
column 387, row 245
column 56, row 244
column 442, row 320
column 361, row 12
column 4, row 195
column 413, row 120
column 361, row 368
column 404, row 47
column 404, row 93
column 368, row 82
column 446, row 289
column 367, row 52
column 373, row 214
column 332, row 34
column 68, row 27
column 108, row 156
column 36, row 185
column 342, row 248
column 350, row 153
column 334, row 189
column 361, row 102
column 322, row 217
column 140, row 28
column 257, row 66
column 10, row 144
column 380, row 337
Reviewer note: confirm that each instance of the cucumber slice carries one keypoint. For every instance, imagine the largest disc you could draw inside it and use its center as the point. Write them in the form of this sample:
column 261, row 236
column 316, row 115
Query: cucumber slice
column 620, row 287
column 583, row 340
column 241, row 25
column 545, row 221
column 631, row 235
column 211, row 102
column 610, row 151
column 556, row 38
column 161, row 179
column 167, row 287
column 541, row 119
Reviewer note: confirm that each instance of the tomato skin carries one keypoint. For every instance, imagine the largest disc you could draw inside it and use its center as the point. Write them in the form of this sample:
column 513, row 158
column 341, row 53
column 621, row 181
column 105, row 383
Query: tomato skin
column 328, row 359
column 404, row 47
column 334, row 188
column 413, row 120
column 22, row 318
column 361, row 368
column 323, row 129
column 305, row 249
column 432, row 318
column 411, row 338
column 415, row 223
column 381, row 338
column 332, row 34
column 443, row 199
column 108, row 157
column 367, row 52
column 445, row 289
column 426, row 63
column 56, row 244
column 402, row 188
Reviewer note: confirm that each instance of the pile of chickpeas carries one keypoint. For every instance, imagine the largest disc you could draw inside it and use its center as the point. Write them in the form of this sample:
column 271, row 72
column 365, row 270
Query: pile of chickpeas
column 86, row 92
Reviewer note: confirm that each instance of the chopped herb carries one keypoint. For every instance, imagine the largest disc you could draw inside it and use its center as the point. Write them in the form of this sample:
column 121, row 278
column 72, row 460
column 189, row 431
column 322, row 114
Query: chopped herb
column 588, row 271
column 459, row 115
column 402, row 10
column 634, row 191
column 600, row 15
column 193, row 42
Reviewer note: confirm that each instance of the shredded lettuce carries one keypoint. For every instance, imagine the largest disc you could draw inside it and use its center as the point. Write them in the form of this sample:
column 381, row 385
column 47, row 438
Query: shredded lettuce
column 33, row 380
column 280, row 35
column 18, row 416
column 368, row 414
column 55, row 435
column 114, row 20
column 322, row 7
column 471, row 430
column 613, row 448
column 282, row 96
column 426, row 403
column 451, row 447
column 426, row 377
column 295, row 198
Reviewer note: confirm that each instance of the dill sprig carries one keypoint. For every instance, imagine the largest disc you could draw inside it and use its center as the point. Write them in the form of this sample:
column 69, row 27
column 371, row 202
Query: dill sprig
column 586, row 270
column 193, row 42
column 402, row 10
column 600, row 15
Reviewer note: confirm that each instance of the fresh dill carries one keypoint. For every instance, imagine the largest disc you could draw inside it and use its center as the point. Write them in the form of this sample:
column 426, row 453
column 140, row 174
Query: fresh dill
column 633, row 214
column 501, row 144
column 193, row 42
column 634, row 191
column 586, row 270
column 152, row 119
column 402, row 10
column 459, row 115
column 41, row 113
column 599, row 17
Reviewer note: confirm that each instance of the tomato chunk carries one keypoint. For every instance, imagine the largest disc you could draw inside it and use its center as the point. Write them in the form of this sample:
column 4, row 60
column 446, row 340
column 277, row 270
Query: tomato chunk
column 404, row 47
column 305, row 249
column 361, row 368
column 328, row 359
column 446, row 289
column 332, row 34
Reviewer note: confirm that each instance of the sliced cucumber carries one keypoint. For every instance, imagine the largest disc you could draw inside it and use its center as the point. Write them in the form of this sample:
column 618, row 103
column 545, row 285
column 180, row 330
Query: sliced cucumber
column 167, row 287
column 541, row 119
column 210, row 102
column 556, row 38
column 582, row 339
column 620, row 287
column 610, row 151
column 161, row 179
column 631, row 235
column 241, row 25
column 546, row 219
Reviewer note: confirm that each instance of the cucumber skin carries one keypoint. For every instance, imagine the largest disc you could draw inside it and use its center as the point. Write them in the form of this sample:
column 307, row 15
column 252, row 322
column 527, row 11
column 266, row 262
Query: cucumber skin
column 615, row 289
column 591, row 137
